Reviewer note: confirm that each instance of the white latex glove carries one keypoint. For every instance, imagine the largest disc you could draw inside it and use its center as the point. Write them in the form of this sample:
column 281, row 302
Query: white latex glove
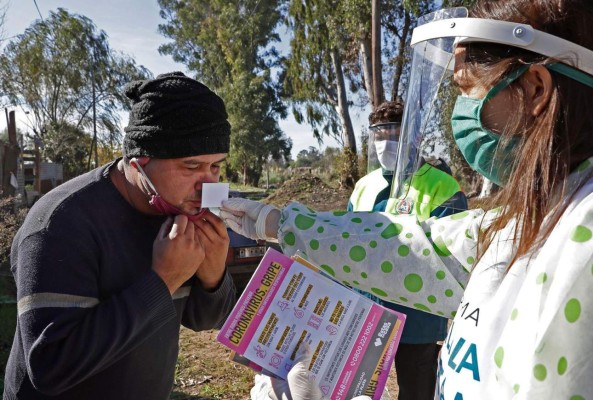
column 251, row 219
column 299, row 384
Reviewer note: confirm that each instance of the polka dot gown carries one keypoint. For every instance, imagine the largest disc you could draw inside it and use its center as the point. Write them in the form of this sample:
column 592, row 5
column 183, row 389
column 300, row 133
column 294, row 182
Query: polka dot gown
column 519, row 333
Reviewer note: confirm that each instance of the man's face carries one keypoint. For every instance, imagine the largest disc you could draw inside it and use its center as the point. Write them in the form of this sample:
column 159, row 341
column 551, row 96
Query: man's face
column 179, row 180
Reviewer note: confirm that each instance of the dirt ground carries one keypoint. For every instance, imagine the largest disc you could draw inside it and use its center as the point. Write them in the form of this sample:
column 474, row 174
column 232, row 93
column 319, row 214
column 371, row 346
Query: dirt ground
column 204, row 370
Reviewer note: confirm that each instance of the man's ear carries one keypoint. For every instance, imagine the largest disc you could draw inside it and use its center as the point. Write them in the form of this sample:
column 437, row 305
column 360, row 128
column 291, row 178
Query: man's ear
column 142, row 161
column 538, row 85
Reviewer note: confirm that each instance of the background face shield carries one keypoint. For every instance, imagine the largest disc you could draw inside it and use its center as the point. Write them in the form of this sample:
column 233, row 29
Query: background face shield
column 381, row 153
column 426, row 128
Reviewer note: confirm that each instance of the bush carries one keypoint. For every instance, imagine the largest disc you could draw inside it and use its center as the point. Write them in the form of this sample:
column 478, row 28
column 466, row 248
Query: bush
column 12, row 215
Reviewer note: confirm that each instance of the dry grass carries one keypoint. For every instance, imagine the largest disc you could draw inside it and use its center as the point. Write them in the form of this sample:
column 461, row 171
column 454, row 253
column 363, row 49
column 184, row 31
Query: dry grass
column 205, row 372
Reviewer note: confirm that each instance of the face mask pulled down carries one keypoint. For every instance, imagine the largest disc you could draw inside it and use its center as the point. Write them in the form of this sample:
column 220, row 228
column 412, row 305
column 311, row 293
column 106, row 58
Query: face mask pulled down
column 158, row 203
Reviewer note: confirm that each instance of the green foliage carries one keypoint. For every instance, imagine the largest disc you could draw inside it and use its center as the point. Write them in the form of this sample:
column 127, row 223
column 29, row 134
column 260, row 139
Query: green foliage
column 348, row 168
column 310, row 75
column 53, row 68
column 69, row 146
column 227, row 43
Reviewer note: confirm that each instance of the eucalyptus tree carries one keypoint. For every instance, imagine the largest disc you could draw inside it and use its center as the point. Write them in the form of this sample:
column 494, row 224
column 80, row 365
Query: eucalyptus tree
column 64, row 72
column 314, row 79
column 228, row 44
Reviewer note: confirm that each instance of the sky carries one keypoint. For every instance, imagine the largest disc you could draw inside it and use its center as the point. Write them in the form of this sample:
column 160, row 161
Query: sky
column 131, row 26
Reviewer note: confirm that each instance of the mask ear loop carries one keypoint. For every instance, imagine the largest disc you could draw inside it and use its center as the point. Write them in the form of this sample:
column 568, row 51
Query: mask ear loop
column 146, row 183
column 149, row 187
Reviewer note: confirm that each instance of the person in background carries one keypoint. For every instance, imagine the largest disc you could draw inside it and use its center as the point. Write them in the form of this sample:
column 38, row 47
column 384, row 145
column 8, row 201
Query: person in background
column 109, row 264
column 517, row 280
column 433, row 193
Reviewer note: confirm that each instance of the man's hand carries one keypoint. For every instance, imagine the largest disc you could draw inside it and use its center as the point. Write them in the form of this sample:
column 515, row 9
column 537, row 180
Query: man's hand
column 214, row 237
column 177, row 252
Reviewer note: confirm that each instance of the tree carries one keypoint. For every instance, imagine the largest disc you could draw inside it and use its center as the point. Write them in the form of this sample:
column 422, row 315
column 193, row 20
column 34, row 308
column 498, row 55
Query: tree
column 64, row 71
column 228, row 44
column 314, row 79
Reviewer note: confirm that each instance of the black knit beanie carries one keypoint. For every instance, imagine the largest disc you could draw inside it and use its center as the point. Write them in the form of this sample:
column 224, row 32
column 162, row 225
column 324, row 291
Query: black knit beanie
column 175, row 116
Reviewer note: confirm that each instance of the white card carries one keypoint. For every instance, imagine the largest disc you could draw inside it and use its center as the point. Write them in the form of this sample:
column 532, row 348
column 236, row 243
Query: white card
column 213, row 194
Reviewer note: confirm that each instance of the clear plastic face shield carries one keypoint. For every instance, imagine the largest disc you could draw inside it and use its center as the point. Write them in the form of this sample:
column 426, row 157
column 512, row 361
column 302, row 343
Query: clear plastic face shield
column 426, row 125
column 383, row 146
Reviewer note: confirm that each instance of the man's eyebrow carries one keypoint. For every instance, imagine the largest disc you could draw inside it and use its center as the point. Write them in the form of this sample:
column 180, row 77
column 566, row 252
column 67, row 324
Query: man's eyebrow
column 193, row 161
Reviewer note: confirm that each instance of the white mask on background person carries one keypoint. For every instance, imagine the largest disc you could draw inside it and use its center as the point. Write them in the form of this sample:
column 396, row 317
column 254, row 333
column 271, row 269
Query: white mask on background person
column 387, row 153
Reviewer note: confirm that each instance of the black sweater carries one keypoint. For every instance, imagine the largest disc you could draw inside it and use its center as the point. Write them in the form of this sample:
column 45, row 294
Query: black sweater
column 94, row 320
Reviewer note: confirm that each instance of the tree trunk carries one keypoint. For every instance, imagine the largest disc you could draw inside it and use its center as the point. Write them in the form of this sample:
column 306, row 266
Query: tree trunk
column 401, row 57
column 367, row 68
column 342, row 107
column 378, row 96
column 488, row 188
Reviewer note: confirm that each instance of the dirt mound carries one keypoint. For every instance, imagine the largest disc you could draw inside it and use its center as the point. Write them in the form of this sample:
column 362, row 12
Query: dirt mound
column 311, row 191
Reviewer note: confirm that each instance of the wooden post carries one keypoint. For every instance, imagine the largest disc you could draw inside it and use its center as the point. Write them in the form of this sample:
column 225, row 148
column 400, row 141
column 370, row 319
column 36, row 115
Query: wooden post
column 10, row 159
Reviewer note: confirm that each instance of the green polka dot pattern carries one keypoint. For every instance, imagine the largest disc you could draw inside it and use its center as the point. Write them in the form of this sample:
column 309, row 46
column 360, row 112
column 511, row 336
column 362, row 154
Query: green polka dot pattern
column 458, row 216
column 572, row 310
column 357, row 253
column 328, row 269
column 562, row 365
column 290, row 239
column 440, row 248
column 413, row 283
column 540, row 372
column 391, row 231
column 581, row 234
column 371, row 261
column 516, row 388
column 303, row 222
column 498, row 357
column 386, row 267
column 379, row 292
column 403, row 250
column 422, row 307
column 514, row 314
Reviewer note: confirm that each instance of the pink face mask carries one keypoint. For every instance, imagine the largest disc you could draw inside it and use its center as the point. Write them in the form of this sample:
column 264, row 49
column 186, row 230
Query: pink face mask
column 160, row 204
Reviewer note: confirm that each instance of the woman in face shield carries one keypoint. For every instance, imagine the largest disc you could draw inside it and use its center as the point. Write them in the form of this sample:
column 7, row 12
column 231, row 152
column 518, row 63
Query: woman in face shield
column 516, row 280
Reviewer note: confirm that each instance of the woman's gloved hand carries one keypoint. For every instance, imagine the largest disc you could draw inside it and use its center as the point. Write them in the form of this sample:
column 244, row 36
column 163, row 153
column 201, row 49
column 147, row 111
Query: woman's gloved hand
column 251, row 219
column 299, row 385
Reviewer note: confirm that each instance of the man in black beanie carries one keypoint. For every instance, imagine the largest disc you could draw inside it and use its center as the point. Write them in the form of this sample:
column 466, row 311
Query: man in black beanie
column 109, row 264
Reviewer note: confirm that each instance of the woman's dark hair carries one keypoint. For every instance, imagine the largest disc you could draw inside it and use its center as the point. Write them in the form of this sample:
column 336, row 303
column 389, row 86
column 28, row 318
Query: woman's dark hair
column 555, row 142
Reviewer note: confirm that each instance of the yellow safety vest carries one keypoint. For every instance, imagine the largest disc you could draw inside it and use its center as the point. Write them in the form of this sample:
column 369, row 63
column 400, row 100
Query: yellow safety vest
column 429, row 189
